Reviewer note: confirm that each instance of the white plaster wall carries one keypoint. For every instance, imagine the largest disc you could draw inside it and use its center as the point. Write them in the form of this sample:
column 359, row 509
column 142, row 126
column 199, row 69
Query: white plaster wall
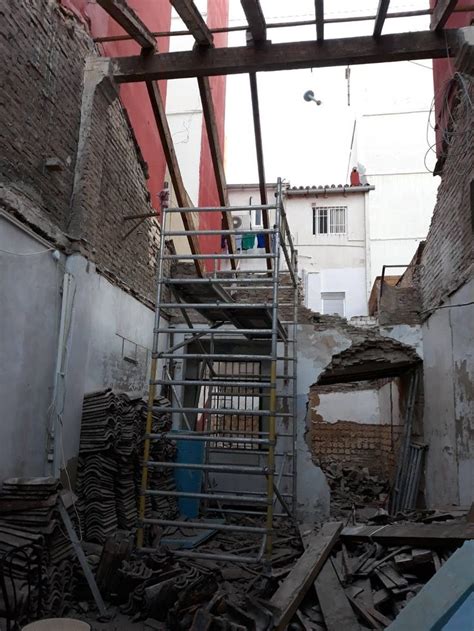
column 389, row 404
column 391, row 151
column 29, row 321
column 410, row 334
column 448, row 341
column 360, row 406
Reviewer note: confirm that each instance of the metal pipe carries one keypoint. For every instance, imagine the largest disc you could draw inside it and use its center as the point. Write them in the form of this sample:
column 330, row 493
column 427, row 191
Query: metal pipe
column 220, row 209
column 229, row 411
column 199, row 437
column 208, row 382
column 223, row 357
column 209, row 467
column 217, row 280
column 220, row 331
column 184, row 233
column 217, row 305
column 213, row 257
column 205, row 525
column 210, row 496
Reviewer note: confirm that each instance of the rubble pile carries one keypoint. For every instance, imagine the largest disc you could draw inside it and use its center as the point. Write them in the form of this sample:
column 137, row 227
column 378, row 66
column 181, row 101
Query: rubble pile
column 36, row 558
column 110, row 458
column 354, row 487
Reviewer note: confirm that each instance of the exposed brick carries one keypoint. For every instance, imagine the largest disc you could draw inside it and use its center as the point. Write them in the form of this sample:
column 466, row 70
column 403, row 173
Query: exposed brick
column 447, row 256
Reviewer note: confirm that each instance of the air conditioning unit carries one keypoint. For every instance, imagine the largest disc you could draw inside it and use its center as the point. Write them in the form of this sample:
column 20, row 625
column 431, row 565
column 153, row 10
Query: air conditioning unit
column 241, row 222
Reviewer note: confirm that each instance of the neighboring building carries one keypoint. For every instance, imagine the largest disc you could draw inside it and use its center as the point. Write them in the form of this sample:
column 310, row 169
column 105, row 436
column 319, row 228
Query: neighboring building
column 389, row 149
column 328, row 226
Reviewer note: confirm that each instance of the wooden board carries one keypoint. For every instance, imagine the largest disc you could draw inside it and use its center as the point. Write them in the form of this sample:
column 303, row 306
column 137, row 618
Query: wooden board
column 419, row 535
column 291, row 592
column 287, row 56
column 337, row 611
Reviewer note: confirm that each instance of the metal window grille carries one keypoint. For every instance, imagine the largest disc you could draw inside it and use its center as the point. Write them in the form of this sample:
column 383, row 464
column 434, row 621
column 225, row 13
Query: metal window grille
column 329, row 219
column 232, row 397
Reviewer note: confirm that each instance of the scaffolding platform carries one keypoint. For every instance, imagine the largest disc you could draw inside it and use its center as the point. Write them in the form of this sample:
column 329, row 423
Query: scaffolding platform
column 227, row 361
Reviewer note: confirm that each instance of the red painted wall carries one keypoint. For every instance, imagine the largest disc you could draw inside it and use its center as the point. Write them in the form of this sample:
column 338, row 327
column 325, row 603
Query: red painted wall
column 443, row 70
column 217, row 15
column 157, row 16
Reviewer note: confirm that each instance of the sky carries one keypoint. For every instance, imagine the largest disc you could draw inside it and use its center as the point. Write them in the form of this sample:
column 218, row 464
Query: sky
column 303, row 143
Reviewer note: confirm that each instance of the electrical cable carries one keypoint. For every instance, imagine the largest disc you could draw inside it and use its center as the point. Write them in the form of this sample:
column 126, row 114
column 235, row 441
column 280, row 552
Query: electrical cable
column 27, row 253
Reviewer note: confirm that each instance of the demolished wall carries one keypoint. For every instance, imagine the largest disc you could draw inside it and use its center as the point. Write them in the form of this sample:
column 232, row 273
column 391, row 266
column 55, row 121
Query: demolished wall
column 70, row 172
column 447, row 289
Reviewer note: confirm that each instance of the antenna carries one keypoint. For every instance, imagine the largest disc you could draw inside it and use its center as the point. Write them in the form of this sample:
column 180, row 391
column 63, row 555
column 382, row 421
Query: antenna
column 309, row 96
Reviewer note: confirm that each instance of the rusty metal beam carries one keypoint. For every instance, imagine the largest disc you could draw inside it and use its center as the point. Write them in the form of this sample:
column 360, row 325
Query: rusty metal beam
column 319, row 10
column 287, row 56
column 256, row 19
column 260, row 161
column 217, row 159
column 129, row 21
column 441, row 13
column 182, row 197
column 189, row 13
column 380, row 17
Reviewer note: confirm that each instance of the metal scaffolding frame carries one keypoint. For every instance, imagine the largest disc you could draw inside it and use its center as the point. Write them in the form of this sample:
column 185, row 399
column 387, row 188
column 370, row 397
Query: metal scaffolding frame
column 241, row 415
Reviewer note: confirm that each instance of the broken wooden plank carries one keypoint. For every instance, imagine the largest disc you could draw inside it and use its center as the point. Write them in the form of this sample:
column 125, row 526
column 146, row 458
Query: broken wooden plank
column 189, row 13
column 260, row 161
column 337, row 611
column 288, row 56
column 256, row 19
column 390, row 578
column 217, row 160
column 422, row 535
column 182, row 197
column 319, row 12
column 380, row 17
column 441, row 13
column 129, row 21
column 363, row 612
column 291, row 592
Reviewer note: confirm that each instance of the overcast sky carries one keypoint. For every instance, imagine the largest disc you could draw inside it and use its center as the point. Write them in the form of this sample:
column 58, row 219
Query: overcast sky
column 304, row 143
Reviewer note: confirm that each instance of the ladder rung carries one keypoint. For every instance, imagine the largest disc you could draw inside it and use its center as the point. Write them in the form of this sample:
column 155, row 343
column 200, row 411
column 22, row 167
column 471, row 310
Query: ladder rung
column 216, row 305
column 213, row 332
column 202, row 525
column 211, row 438
column 228, row 411
column 213, row 257
column 208, row 382
column 209, row 496
column 216, row 357
column 217, row 468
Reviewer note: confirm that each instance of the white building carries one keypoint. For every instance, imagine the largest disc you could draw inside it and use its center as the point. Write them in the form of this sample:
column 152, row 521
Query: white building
column 390, row 152
column 328, row 226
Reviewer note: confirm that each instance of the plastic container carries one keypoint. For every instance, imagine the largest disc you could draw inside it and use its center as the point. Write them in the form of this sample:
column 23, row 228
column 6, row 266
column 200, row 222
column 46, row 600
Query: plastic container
column 188, row 480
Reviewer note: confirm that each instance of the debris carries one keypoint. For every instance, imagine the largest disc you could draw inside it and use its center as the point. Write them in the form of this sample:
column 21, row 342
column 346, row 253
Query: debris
column 442, row 535
column 335, row 606
column 289, row 595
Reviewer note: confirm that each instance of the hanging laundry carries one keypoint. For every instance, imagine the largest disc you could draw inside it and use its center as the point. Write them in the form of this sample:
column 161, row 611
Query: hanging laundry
column 238, row 241
column 260, row 240
column 248, row 241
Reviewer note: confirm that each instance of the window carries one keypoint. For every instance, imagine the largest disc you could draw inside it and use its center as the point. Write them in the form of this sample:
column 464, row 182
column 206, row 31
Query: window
column 232, row 397
column 333, row 302
column 329, row 219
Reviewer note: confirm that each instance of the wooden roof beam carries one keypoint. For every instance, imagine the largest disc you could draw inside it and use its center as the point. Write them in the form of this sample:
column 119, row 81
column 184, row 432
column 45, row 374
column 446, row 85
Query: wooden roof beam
column 217, row 160
column 288, row 56
column 188, row 12
column 380, row 17
column 319, row 10
column 182, row 197
column 130, row 22
column 260, row 162
column 256, row 20
column 441, row 13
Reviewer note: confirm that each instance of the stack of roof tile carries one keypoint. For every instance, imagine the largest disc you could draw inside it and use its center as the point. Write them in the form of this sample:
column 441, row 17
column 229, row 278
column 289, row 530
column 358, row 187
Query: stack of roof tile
column 110, row 458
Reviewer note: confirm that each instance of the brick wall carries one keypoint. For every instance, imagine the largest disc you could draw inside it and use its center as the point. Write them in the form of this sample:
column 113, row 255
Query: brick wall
column 447, row 256
column 45, row 50
column 357, row 445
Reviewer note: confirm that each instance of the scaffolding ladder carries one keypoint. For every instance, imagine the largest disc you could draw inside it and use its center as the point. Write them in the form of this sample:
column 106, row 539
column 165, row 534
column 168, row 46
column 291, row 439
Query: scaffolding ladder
column 227, row 361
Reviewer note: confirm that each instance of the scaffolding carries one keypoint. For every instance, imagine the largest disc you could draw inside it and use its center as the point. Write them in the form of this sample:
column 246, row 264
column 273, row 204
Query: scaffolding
column 224, row 349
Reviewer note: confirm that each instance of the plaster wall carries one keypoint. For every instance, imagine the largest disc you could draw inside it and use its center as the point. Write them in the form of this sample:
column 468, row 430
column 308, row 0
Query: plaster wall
column 29, row 317
column 361, row 406
column 107, row 343
column 449, row 401
column 349, row 280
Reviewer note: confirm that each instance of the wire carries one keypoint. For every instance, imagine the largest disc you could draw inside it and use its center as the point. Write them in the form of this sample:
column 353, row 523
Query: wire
column 27, row 253
column 462, row 304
